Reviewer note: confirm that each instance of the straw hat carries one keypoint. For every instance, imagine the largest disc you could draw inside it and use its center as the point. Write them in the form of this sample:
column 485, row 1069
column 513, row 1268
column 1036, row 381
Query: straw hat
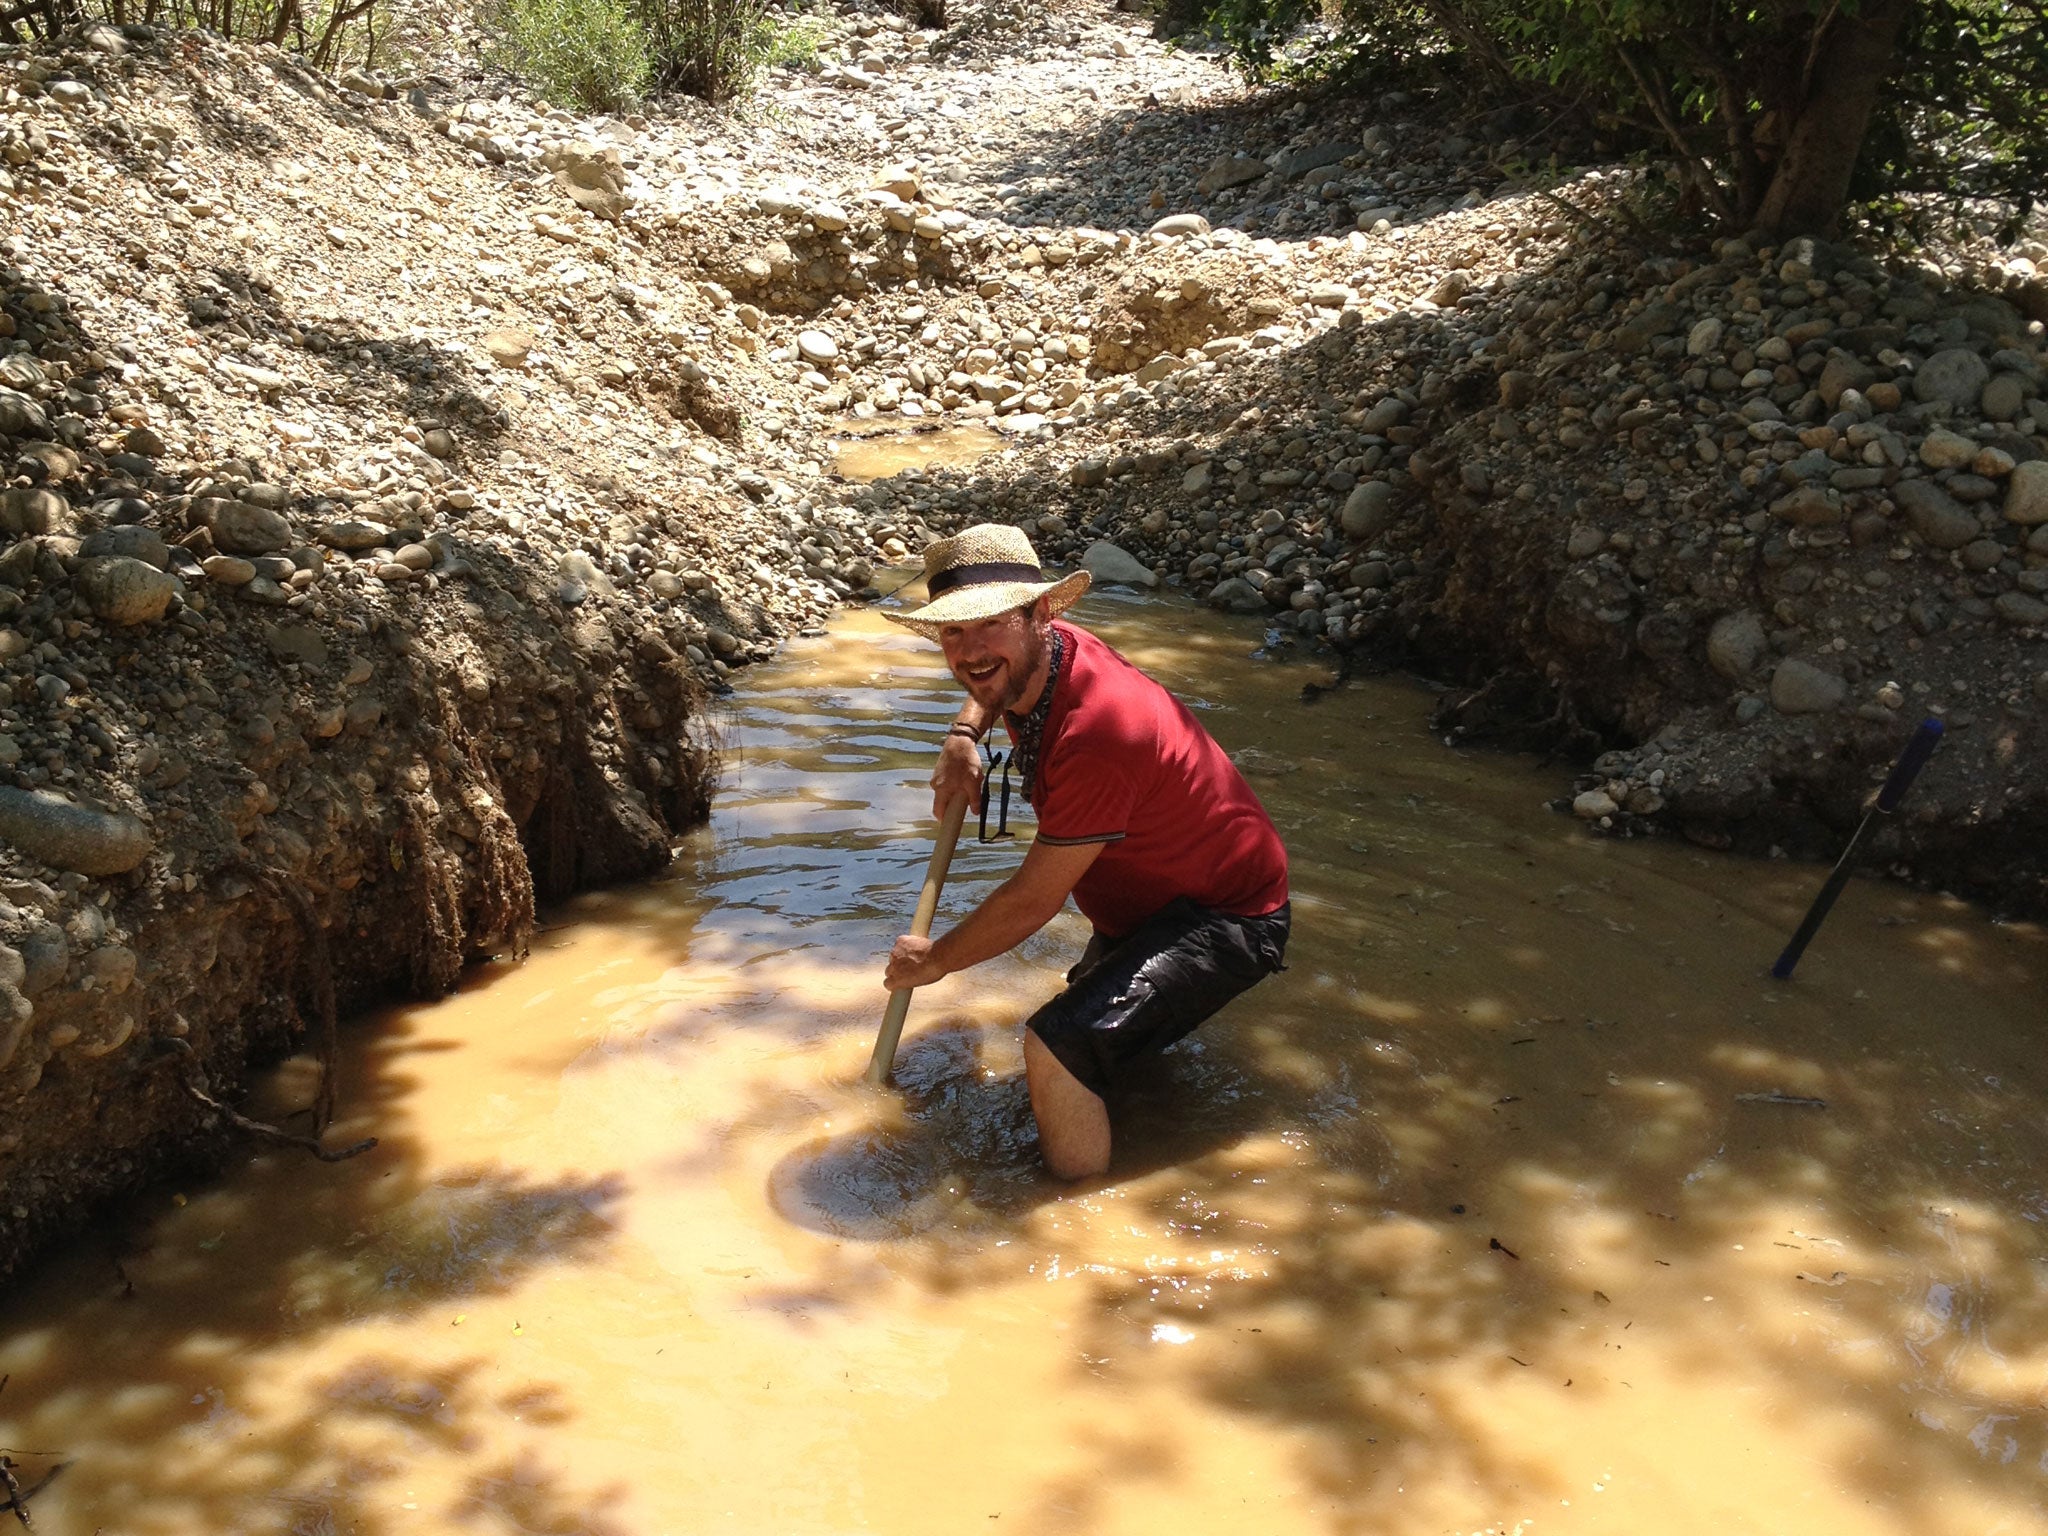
column 981, row 572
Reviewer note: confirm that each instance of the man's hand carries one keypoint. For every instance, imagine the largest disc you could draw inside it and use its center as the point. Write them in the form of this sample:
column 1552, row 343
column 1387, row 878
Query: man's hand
column 911, row 965
column 958, row 774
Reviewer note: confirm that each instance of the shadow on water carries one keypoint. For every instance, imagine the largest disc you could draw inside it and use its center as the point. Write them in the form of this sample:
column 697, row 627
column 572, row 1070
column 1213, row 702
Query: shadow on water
column 205, row 1306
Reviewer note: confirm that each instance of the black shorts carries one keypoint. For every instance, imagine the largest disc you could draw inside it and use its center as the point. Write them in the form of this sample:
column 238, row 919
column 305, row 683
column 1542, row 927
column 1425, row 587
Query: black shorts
column 1140, row 993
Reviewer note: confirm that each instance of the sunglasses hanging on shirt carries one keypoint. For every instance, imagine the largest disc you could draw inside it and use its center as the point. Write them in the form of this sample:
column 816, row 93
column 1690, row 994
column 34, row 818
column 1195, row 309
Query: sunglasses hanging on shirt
column 992, row 760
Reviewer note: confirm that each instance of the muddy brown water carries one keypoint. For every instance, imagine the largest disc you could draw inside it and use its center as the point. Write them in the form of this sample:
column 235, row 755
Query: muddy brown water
column 1523, row 1201
column 880, row 454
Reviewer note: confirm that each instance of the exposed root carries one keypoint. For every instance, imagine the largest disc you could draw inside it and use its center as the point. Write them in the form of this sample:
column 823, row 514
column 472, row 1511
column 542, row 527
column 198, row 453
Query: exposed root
column 437, row 962
column 327, row 1022
column 191, row 1082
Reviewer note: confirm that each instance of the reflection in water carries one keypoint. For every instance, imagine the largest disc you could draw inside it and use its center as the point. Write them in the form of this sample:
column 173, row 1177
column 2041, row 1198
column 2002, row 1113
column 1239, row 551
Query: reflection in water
column 1523, row 1200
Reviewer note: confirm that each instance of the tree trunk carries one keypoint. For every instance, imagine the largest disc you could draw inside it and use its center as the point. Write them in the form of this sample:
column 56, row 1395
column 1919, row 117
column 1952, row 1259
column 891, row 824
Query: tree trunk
column 1810, row 182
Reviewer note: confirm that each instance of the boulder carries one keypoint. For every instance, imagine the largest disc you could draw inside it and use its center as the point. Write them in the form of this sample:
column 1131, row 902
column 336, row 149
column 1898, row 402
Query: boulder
column 1113, row 566
column 124, row 590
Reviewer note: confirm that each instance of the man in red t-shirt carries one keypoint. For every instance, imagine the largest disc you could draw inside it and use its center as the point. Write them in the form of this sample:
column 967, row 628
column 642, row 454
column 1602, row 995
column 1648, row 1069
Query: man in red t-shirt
column 1142, row 819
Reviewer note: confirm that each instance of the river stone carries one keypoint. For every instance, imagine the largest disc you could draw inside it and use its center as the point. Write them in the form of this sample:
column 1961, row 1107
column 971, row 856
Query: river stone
column 1800, row 688
column 55, row 832
column 1367, row 511
column 508, row 346
column 20, row 416
column 1181, row 224
column 2026, row 494
column 1236, row 595
column 1943, row 449
column 131, row 539
column 1935, row 515
column 1840, row 374
column 1955, row 374
column 1735, row 644
column 1593, row 804
column 817, row 347
column 243, row 528
column 1228, row 171
column 2021, row 608
column 124, row 590
column 1113, row 566
column 1705, row 337
column 2004, row 397
column 27, row 509
column 15, row 1008
column 1809, row 506
column 351, row 533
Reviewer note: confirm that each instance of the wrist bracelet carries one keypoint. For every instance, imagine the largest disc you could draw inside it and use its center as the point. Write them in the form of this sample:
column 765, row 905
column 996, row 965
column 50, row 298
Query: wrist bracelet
column 962, row 728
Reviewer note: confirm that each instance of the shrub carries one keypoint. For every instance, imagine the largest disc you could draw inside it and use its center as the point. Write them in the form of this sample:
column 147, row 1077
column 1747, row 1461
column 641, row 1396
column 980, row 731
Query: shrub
column 592, row 52
column 709, row 48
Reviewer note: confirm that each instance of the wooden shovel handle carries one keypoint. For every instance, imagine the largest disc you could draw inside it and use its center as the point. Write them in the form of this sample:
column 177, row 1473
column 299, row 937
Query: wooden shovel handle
column 920, row 927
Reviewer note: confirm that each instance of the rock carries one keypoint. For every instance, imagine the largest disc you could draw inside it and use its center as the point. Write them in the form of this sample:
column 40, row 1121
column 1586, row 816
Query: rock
column 1089, row 473
column 55, row 832
column 1584, row 540
column 1178, row 224
column 816, row 347
column 594, row 178
column 1943, row 449
column 1450, row 288
column 351, row 533
column 1809, row 506
column 1113, row 566
column 577, row 577
column 1801, row 688
column 508, row 346
column 1367, row 512
column 2026, row 494
column 132, row 540
column 1736, row 644
column 1298, row 164
column 229, row 570
column 1936, row 516
column 31, row 509
column 124, row 590
column 1704, row 338
column 1236, row 595
column 1234, row 170
column 1517, row 388
column 242, row 527
column 2021, row 609
column 2004, row 397
column 1389, row 412
column 1954, row 374
column 20, row 416
column 1593, row 805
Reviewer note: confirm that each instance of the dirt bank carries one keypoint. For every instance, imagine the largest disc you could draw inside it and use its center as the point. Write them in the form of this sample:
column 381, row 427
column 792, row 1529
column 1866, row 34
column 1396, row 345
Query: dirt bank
column 396, row 470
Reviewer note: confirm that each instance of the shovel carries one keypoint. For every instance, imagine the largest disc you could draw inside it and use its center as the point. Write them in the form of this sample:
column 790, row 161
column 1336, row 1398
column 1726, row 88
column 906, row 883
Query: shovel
column 920, row 927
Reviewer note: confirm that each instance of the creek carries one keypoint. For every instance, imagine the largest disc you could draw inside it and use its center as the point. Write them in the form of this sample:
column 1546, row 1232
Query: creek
column 1523, row 1201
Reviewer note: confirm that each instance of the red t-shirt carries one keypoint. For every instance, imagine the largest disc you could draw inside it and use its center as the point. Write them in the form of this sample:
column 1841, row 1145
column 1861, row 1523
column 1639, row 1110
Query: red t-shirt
column 1122, row 762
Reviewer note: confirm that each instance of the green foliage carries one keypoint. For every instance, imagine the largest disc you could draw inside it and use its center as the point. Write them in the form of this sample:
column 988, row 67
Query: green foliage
column 590, row 52
column 1738, row 91
column 329, row 34
column 709, row 48
column 791, row 42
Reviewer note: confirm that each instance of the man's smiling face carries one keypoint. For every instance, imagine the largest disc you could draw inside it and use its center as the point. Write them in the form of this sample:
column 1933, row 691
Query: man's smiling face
column 1000, row 661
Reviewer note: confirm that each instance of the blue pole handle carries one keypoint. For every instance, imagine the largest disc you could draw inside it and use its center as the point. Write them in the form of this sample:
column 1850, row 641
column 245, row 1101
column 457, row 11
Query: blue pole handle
column 1908, row 767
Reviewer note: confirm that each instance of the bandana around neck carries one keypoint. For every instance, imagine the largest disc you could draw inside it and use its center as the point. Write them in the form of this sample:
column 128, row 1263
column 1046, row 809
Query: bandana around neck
column 1029, row 732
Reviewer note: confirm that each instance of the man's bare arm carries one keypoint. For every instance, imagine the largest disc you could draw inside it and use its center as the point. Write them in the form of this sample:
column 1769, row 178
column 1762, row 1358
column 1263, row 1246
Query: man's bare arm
column 1010, row 914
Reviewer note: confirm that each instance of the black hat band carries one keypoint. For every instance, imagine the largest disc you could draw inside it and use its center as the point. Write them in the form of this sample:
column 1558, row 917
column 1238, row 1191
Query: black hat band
column 981, row 574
